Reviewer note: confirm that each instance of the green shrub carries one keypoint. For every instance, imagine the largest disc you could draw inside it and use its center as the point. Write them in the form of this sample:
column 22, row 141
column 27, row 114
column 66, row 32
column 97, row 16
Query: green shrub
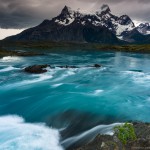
column 125, row 133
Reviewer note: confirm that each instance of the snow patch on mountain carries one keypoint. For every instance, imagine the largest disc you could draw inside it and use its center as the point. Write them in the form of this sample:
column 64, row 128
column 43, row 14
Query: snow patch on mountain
column 101, row 17
column 137, row 23
column 122, row 28
column 144, row 28
column 65, row 22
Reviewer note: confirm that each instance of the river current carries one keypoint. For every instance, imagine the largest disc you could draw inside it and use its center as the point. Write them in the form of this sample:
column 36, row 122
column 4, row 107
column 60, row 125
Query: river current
column 64, row 108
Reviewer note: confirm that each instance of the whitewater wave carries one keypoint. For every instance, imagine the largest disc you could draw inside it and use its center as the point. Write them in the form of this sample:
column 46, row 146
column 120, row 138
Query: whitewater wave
column 94, row 93
column 138, row 77
column 57, row 85
column 97, row 92
column 90, row 134
column 65, row 74
column 36, row 79
column 11, row 59
column 16, row 134
column 8, row 69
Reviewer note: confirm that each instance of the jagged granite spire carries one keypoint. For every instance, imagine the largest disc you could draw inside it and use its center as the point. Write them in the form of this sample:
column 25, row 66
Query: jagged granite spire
column 66, row 11
column 78, row 25
column 144, row 28
column 105, row 8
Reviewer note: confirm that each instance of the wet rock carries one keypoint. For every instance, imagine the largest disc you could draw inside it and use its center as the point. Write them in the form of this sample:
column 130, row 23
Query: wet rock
column 107, row 142
column 37, row 69
column 138, row 144
column 101, row 142
column 137, row 70
column 142, row 130
column 67, row 67
column 97, row 66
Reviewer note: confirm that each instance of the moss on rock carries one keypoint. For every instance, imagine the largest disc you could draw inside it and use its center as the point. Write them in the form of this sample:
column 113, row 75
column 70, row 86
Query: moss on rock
column 125, row 133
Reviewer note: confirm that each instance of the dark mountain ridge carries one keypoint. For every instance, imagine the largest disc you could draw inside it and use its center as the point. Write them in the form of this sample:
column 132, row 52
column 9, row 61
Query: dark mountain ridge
column 77, row 26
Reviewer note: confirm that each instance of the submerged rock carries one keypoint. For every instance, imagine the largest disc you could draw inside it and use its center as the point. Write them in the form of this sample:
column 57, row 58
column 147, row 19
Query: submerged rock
column 67, row 67
column 37, row 69
column 137, row 70
column 97, row 66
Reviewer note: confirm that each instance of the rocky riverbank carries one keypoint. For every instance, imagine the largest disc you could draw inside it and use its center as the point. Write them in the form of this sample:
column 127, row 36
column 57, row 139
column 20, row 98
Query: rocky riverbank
column 50, row 46
column 107, row 142
column 4, row 53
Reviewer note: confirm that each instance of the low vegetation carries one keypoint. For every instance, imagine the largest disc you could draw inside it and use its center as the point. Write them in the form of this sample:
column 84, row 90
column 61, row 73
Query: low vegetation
column 125, row 133
column 129, row 48
column 145, row 48
column 4, row 52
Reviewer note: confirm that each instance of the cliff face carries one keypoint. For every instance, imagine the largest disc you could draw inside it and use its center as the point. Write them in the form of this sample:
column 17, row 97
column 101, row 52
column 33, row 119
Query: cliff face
column 106, row 142
column 52, row 31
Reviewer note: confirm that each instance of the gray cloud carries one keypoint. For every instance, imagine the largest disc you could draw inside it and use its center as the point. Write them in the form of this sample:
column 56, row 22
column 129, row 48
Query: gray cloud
column 27, row 13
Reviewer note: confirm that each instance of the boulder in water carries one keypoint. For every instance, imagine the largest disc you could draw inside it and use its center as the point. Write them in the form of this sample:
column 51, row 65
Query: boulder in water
column 97, row 66
column 37, row 69
column 67, row 67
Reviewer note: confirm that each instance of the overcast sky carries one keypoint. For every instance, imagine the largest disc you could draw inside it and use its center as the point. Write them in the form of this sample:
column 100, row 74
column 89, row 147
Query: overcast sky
column 26, row 13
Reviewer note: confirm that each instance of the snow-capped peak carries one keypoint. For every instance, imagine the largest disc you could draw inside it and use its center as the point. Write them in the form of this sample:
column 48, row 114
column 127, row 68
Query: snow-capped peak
column 101, row 18
column 66, row 10
column 105, row 8
column 144, row 25
column 144, row 28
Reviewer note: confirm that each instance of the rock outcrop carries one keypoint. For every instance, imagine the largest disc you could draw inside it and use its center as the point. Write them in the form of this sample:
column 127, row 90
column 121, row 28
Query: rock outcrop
column 107, row 142
column 36, row 69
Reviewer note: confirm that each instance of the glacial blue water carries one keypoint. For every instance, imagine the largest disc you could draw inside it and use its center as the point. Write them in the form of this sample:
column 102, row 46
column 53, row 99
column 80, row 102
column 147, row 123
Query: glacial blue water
column 62, row 106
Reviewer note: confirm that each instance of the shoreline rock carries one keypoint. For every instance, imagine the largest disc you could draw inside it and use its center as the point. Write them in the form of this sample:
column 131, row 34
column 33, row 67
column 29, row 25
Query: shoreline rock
column 108, row 142
column 4, row 53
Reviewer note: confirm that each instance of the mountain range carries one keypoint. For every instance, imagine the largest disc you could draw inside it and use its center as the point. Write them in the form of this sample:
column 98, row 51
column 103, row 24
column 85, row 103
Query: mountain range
column 100, row 26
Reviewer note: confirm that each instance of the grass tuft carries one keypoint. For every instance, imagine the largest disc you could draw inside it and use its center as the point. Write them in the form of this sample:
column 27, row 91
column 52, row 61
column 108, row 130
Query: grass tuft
column 125, row 133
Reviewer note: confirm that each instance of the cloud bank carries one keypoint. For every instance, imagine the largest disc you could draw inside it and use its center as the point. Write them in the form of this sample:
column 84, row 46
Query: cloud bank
column 26, row 13
column 8, row 32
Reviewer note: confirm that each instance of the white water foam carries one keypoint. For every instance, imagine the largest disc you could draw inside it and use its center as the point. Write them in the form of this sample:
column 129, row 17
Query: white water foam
column 15, row 134
column 8, row 69
column 94, row 93
column 97, row 92
column 38, row 78
column 65, row 74
column 10, row 59
column 138, row 77
column 57, row 85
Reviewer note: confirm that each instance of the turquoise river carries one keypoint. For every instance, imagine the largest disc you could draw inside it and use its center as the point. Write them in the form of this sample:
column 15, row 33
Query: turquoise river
column 64, row 108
